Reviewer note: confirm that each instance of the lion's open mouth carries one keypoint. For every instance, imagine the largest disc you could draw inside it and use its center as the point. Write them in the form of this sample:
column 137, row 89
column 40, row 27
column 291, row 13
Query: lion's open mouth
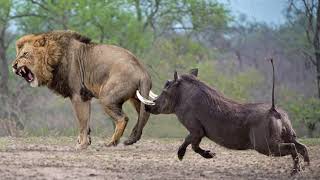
column 25, row 73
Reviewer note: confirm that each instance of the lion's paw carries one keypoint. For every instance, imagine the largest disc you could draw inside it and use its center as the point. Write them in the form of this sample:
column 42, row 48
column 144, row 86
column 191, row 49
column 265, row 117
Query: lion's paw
column 81, row 146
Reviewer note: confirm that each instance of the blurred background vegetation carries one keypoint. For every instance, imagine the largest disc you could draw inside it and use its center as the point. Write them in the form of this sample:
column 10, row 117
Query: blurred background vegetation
column 230, row 51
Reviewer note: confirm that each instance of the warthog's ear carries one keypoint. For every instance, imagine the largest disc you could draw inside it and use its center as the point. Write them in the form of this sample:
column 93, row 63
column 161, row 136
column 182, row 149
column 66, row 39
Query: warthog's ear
column 39, row 42
column 175, row 76
column 194, row 72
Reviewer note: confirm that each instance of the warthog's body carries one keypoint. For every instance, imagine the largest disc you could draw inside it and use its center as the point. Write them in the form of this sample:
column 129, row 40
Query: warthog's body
column 207, row 113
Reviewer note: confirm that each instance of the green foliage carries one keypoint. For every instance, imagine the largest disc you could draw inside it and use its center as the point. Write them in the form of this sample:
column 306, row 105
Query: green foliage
column 5, row 7
column 310, row 141
column 182, row 54
column 233, row 85
column 308, row 110
column 304, row 111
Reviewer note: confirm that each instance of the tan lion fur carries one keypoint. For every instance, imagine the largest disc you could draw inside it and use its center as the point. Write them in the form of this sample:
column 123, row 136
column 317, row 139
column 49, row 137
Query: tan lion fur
column 111, row 73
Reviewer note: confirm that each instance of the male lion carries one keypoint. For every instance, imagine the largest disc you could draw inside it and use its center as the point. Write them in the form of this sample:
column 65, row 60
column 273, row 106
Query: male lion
column 74, row 67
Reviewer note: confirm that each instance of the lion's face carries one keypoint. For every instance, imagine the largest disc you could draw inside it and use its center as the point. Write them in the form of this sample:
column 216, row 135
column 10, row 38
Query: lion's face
column 31, row 62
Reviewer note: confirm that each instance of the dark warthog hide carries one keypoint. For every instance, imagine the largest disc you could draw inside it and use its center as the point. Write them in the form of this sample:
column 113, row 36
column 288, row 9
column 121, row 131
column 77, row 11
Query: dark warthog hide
column 205, row 112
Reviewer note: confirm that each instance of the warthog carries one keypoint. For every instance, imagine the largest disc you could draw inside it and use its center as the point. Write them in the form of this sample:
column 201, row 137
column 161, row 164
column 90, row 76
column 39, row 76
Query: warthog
column 205, row 112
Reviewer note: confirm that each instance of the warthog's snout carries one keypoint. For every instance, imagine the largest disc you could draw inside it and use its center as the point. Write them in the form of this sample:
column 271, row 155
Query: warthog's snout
column 147, row 108
column 153, row 109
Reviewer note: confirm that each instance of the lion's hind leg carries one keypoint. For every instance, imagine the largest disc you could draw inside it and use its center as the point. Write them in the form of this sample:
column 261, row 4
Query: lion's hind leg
column 121, row 120
column 112, row 97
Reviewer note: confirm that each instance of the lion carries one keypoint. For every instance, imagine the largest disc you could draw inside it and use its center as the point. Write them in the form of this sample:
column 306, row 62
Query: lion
column 74, row 67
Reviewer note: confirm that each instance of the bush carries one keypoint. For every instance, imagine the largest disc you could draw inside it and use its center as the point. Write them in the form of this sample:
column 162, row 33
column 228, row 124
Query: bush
column 306, row 112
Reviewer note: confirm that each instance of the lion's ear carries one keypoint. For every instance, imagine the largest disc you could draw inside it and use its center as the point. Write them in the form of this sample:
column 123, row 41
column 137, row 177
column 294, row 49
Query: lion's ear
column 40, row 42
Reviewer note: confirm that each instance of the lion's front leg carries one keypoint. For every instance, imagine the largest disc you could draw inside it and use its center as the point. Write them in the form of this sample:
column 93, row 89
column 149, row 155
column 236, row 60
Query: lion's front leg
column 82, row 114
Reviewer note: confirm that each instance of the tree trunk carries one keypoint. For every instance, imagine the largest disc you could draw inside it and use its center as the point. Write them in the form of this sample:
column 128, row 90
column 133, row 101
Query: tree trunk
column 4, row 72
column 316, row 45
column 318, row 73
column 238, row 54
column 138, row 9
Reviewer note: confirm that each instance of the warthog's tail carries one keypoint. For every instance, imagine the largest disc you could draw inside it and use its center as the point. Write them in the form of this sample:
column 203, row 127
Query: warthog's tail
column 273, row 107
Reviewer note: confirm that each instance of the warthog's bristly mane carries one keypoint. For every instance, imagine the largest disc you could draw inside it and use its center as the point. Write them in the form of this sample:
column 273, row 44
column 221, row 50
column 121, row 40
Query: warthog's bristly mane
column 215, row 97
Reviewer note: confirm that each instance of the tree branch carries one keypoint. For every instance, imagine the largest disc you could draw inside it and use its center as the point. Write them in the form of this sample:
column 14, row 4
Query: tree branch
column 309, row 15
column 40, row 5
column 25, row 15
column 309, row 56
column 150, row 17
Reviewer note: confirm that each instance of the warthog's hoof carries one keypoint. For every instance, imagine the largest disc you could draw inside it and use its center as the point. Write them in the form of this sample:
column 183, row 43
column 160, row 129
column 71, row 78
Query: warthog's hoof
column 181, row 153
column 307, row 163
column 208, row 154
column 130, row 141
column 295, row 171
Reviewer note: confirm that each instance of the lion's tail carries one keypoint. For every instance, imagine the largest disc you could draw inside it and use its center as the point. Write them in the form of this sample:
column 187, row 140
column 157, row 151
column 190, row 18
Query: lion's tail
column 144, row 88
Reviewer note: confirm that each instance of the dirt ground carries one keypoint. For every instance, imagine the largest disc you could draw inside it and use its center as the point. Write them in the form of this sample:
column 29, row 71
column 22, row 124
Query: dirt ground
column 56, row 158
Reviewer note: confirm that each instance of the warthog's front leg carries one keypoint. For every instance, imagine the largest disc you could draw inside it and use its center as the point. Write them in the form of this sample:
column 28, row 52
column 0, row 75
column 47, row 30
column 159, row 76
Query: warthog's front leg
column 183, row 147
column 82, row 112
column 195, row 146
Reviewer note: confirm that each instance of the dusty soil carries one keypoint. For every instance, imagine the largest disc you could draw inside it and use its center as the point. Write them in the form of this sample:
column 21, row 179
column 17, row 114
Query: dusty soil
column 56, row 158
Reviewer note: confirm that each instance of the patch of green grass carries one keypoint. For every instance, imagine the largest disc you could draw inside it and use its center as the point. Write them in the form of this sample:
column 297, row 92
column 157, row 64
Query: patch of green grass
column 310, row 141
column 4, row 143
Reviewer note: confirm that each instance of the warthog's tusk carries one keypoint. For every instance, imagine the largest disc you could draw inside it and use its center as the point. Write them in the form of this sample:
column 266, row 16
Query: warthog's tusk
column 144, row 100
column 153, row 95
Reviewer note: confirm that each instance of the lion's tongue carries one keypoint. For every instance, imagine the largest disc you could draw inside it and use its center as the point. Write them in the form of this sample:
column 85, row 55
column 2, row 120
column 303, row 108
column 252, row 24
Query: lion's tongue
column 30, row 77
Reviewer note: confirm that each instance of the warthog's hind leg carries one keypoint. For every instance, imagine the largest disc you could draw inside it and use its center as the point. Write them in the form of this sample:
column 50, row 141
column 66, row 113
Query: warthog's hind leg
column 302, row 149
column 290, row 148
column 183, row 147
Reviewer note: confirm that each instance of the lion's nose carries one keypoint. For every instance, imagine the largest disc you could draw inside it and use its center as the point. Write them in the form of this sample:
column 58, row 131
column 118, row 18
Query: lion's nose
column 15, row 66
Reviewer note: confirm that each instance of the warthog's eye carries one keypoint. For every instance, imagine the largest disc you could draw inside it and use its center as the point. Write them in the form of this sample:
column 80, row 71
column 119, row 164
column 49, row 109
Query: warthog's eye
column 167, row 84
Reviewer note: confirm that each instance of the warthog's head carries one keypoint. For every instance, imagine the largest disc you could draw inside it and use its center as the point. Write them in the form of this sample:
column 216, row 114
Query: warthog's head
column 166, row 102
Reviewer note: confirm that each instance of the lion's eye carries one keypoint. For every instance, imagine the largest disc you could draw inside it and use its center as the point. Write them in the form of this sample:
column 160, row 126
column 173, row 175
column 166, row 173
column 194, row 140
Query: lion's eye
column 25, row 53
